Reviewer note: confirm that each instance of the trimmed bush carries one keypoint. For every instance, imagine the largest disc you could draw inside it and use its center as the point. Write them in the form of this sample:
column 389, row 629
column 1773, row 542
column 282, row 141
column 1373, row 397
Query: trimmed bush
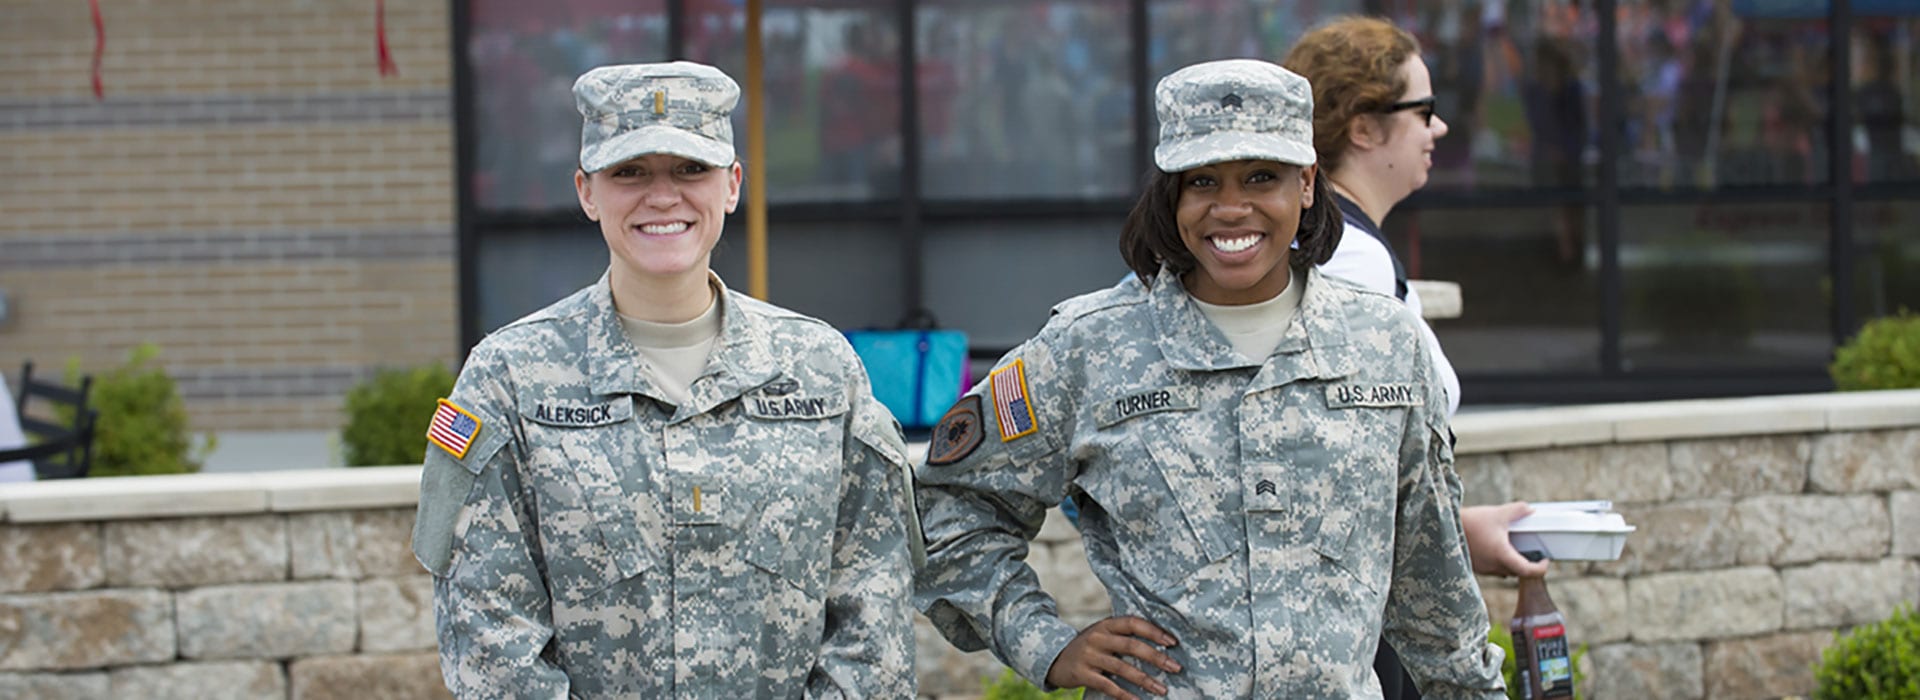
column 1880, row 661
column 387, row 415
column 1885, row 355
column 142, row 428
column 1010, row 686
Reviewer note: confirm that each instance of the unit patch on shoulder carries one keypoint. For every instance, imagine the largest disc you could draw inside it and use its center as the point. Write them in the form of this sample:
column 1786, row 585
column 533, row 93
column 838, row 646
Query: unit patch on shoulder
column 453, row 429
column 958, row 433
column 1011, row 402
column 1372, row 395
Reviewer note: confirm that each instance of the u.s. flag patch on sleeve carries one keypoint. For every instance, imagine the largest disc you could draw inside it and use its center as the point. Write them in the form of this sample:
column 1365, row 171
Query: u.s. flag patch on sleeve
column 1010, row 401
column 453, row 429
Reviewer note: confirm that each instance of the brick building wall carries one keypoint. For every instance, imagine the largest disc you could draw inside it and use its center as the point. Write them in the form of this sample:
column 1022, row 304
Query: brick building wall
column 251, row 195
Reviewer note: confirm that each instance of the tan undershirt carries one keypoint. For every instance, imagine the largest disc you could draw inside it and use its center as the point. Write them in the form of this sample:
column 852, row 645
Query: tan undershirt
column 675, row 353
column 1255, row 329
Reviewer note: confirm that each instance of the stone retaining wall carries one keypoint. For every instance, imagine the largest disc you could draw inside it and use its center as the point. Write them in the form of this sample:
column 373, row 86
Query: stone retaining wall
column 1765, row 525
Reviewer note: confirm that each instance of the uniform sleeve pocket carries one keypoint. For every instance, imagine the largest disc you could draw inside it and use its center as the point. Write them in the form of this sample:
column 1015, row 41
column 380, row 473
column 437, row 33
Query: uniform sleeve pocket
column 444, row 486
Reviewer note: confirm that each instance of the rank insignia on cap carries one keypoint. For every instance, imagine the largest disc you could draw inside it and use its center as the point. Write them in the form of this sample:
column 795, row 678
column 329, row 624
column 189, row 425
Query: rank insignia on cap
column 453, row 429
column 1231, row 100
column 1010, row 401
column 660, row 102
column 958, row 433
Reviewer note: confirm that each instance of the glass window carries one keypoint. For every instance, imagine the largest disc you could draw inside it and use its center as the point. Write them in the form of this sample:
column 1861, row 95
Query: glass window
column 1185, row 32
column 997, row 280
column 1526, row 306
column 520, row 272
column 833, row 93
column 1025, row 99
column 1886, row 98
column 525, row 57
column 847, row 274
column 1886, row 269
column 1723, row 93
column 1725, row 286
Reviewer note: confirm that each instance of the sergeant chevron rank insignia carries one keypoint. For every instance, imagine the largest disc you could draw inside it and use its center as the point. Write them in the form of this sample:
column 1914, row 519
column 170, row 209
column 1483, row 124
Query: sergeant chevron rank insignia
column 1372, row 395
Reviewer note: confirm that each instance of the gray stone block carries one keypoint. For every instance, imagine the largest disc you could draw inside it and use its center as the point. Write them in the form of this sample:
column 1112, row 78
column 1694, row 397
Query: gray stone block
column 352, row 544
column 1800, row 529
column 1871, row 460
column 1646, row 671
column 1744, row 466
column 1779, row 665
column 60, row 557
column 232, row 680
column 55, row 686
column 1595, row 608
column 1692, row 606
column 396, row 614
column 266, row 621
column 1485, row 479
column 1680, row 536
column 1904, row 509
column 61, row 631
column 1623, row 473
column 185, row 552
column 1840, row 594
column 368, row 676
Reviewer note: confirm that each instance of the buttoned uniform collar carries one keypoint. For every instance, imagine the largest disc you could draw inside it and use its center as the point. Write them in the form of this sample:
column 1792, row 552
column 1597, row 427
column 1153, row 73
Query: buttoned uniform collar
column 1314, row 345
column 742, row 358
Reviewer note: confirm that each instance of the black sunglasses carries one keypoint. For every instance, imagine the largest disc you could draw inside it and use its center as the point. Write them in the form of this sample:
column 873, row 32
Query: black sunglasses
column 1425, row 105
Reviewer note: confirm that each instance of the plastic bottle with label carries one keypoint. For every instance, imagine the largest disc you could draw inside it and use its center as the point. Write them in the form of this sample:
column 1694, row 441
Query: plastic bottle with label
column 1543, row 659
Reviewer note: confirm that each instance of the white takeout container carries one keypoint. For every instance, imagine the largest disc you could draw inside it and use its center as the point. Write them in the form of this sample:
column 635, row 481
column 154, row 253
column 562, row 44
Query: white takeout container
column 1571, row 530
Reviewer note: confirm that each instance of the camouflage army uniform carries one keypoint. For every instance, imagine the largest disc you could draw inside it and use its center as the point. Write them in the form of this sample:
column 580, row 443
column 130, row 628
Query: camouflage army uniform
column 599, row 541
column 1273, row 516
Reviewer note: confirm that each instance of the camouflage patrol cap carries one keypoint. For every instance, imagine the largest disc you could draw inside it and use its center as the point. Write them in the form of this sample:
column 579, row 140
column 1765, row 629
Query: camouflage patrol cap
column 1237, row 109
column 681, row 108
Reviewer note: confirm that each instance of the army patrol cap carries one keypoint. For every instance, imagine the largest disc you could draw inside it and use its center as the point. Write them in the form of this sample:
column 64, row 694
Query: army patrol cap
column 1237, row 109
column 682, row 108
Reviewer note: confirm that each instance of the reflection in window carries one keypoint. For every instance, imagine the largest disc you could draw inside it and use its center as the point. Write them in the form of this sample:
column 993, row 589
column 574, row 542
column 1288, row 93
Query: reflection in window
column 525, row 57
column 1886, row 99
column 1886, row 271
column 1725, row 285
column 1025, row 100
column 1525, row 308
column 833, row 94
column 1185, row 32
column 1723, row 93
column 1516, row 82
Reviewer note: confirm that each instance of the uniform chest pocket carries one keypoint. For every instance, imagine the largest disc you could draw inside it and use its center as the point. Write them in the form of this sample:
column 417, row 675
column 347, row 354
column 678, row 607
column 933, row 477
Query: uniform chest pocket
column 793, row 452
column 597, row 518
column 1342, row 510
column 1164, row 505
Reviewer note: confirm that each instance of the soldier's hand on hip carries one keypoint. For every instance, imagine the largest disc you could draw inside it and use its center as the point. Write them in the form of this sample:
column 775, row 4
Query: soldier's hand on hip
column 1097, row 653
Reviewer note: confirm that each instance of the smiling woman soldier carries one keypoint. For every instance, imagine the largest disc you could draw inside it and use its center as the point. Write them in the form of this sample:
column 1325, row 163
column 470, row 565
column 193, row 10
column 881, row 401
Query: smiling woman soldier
column 657, row 487
column 1258, row 454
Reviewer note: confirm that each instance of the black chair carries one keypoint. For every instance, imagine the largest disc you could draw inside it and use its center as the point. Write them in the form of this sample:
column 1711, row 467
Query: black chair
column 57, row 451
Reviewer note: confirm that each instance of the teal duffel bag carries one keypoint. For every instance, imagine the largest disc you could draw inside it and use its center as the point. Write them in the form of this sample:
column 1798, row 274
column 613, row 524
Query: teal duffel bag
column 917, row 374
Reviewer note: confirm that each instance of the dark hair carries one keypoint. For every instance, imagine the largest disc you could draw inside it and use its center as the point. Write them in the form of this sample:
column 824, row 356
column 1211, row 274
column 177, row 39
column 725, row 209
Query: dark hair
column 1150, row 238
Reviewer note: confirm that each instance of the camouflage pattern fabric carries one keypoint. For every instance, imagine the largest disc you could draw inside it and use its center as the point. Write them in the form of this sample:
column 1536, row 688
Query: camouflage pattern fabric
column 1275, row 516
column 1237, row 109
column 682, row 108
column 598, row 541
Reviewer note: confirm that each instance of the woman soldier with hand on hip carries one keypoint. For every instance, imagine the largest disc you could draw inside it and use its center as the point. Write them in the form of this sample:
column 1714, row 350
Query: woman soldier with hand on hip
column 1259, row 456
column 657, row 487
column 1374, row 130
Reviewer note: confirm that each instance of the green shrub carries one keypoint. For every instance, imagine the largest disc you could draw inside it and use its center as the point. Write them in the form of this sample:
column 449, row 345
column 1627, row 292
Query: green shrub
column 1885, row 355
column 1509, row 668
column 1011, row 686
column 387, row 415
column 1880, row 661
column 142, row 425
